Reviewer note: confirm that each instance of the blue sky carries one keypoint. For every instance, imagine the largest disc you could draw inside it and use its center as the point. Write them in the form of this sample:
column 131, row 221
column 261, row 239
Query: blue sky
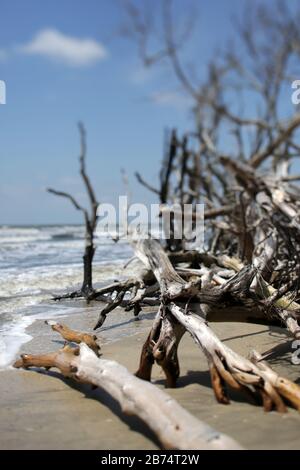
column 63, row 61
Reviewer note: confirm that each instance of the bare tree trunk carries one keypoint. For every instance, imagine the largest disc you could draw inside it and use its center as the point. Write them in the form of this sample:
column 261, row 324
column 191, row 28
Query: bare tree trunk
column 90, row 218
column 87, row 285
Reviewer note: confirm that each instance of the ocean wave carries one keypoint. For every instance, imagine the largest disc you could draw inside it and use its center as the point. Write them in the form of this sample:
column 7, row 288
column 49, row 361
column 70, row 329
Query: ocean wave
column 50, row 245
column 63, row 236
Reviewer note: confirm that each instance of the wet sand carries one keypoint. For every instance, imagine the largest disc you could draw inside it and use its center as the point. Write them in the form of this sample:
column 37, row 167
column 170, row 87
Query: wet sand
column 44, row 411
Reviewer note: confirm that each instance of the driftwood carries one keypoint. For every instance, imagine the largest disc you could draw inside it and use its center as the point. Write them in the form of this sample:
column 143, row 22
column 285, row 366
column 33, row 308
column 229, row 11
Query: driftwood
column 258, row 239
column 218, row 287
column 174, row 427
column 161, row 346
column 77, row 337
column 142, row 286
column 176, row 315
column 238, row 372
column 222, row 289
column 249, row 267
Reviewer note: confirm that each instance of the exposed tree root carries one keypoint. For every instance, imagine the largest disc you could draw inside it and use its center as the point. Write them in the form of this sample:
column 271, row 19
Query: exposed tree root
column 234, row 370
column 161, row 346
column 226, row 367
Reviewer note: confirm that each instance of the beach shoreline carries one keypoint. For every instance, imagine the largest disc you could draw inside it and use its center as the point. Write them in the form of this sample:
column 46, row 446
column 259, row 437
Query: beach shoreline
column 45, row 411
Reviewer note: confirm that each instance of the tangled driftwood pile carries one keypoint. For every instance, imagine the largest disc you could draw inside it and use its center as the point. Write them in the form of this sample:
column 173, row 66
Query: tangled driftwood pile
column 248, row 271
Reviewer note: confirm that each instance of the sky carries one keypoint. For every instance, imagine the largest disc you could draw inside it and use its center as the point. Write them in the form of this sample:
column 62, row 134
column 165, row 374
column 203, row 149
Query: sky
column 64, row 61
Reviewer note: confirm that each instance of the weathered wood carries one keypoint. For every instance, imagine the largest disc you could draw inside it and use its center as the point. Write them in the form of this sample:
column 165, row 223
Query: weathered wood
column 141, row 286
column 225, row 365
column 225, row 303
column 172, row 286
column 174, row 427
column 236, row 371
column 161, row 346
column 75, row 336
column 284, row 387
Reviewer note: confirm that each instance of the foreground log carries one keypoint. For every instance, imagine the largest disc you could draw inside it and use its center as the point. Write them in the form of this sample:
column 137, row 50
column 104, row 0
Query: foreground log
column 174, row 427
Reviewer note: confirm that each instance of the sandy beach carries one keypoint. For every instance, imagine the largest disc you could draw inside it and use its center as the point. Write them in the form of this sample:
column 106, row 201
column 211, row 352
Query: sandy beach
column 150, row 163
column 44, row 411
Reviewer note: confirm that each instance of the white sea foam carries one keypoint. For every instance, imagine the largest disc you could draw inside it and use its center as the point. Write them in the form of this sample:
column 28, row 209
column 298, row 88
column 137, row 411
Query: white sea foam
column 11, row 339
column 14, row 334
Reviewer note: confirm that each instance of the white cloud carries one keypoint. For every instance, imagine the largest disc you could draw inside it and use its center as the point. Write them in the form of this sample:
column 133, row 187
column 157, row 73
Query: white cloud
column 67, row 49
column 170, row 98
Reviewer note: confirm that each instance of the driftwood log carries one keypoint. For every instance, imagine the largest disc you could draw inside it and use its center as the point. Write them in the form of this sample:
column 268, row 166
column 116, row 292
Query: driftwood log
column 174, row 427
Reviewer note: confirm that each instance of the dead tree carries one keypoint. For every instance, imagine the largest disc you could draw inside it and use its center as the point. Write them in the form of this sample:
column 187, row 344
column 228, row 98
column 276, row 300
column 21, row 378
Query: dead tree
column 249, row 268
column 90, row 220
column 179, row 185
column 266, row 63
column 215, row 293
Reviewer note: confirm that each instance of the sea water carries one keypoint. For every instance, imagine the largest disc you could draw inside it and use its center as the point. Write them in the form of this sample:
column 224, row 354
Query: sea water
column 37, row 262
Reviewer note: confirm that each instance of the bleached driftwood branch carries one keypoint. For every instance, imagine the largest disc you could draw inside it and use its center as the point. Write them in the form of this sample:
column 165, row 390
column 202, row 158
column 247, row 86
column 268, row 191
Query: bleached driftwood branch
column 174, row 427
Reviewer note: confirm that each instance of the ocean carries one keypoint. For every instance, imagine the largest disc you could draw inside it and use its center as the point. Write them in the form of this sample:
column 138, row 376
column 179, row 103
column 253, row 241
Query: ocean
column 37, row 262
